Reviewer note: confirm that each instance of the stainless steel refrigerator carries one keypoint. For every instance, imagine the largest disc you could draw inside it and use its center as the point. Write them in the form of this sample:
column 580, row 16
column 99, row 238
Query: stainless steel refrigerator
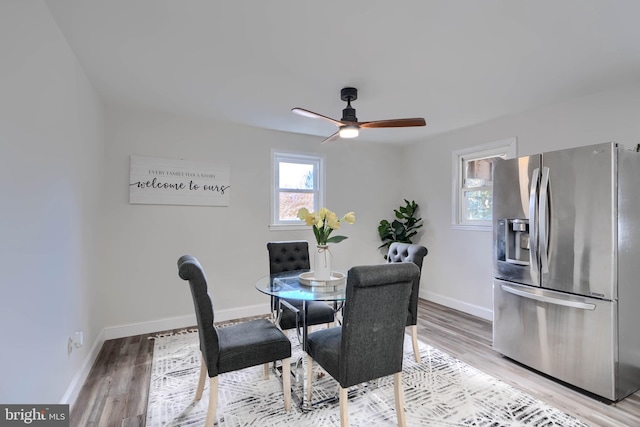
column 566, row 235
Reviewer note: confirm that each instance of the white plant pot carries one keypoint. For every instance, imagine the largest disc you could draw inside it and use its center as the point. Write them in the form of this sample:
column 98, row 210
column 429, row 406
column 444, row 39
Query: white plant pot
column 322, row 263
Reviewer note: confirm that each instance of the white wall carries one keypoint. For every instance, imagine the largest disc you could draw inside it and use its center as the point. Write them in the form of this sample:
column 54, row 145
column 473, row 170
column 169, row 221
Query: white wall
column 145, row 241
column 50, row 181
column 76, row 256
column 458, row 270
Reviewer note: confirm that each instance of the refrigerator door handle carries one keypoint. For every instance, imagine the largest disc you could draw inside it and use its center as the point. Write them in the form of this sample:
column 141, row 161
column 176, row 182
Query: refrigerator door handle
column 533, row 226
column 543, row 220
column 547, row 299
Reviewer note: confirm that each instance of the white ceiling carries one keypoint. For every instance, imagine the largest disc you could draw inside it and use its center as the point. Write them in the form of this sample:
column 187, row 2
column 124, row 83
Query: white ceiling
column 454, row 62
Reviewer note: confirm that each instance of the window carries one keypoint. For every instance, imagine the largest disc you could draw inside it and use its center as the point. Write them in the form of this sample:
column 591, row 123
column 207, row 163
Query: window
column 297, row 183
column 473, row 183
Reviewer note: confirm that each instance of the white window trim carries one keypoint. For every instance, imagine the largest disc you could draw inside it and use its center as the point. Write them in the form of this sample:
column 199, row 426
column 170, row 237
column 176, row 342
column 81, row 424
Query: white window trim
column 274, row 224
column 508, row 146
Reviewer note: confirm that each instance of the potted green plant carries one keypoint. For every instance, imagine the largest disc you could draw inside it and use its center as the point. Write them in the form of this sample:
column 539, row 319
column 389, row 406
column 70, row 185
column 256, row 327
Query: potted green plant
column 403, row 228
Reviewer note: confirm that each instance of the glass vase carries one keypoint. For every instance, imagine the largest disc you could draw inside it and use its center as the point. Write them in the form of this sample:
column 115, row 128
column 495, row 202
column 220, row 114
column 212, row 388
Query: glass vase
column 322, row 263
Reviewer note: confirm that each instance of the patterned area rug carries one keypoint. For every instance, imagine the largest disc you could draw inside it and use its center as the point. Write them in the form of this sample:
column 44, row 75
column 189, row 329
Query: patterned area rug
column 440, row 391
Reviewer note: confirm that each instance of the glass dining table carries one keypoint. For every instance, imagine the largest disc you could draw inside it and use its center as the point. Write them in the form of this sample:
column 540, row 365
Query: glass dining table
column 300, row 285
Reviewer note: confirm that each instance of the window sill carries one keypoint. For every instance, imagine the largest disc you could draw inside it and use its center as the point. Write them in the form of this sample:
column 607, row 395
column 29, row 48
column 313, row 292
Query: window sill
column 464, row 227
column 288, row 227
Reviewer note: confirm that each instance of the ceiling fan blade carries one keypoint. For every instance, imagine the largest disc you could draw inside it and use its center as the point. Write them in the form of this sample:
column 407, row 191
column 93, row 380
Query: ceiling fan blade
column 307, row 113
column 393, row 123
column 332, row 138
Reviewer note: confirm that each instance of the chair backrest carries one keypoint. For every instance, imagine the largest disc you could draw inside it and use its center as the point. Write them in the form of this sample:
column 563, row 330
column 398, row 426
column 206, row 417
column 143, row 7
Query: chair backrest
column 288, row 256
column 190, row 269
column 374, row 318
column 406, row 252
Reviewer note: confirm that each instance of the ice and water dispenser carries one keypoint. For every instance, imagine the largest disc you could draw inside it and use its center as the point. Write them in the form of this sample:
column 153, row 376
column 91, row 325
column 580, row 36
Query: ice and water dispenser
column 513, row 241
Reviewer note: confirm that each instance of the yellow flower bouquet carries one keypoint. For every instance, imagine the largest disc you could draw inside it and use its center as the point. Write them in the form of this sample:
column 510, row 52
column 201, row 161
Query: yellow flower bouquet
column 324, row 222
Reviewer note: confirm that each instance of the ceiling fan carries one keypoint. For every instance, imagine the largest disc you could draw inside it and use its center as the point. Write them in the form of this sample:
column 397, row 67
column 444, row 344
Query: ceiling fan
column 349, row 126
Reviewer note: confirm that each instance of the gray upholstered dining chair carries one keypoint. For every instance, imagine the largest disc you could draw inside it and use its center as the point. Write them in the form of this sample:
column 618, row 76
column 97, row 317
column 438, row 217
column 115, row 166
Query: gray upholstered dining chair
column 406, row 252
column 289, row 256
column 369, row 344
column 233, row 347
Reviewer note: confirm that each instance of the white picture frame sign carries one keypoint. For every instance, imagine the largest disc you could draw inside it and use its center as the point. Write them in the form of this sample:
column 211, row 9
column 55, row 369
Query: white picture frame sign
column 158, row 181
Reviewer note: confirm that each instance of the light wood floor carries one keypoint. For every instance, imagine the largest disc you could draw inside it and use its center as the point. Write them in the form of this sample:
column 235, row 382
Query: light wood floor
column 115, row 393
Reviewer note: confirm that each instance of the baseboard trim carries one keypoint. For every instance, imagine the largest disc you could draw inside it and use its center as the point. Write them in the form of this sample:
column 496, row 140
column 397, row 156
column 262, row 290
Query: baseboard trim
column 472, row 309
column 177, row 322
column 132, row 329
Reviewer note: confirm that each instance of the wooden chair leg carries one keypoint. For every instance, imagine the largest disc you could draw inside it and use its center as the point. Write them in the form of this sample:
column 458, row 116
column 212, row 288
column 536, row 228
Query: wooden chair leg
column 344, row 410
column 286, row 383
column 213, row 402
column 309, row 377
column 266, row 371
column 414, row 340
column 201, row 379
column 399, row 394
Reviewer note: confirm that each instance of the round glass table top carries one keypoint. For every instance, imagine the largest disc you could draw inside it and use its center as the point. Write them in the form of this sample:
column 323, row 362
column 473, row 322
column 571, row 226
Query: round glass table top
column 287, row 285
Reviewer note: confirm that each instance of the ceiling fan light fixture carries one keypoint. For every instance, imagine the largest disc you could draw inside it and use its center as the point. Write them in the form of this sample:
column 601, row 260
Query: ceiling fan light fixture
column 349, row 126
column 349, row 131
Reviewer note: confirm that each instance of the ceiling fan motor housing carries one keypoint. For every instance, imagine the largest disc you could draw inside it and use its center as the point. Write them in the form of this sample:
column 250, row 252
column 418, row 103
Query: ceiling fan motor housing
column 349, row 94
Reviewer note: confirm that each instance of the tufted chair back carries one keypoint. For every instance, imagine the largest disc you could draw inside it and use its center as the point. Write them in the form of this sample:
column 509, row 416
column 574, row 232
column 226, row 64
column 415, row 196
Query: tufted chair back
column 406, row 252
column 288, row 256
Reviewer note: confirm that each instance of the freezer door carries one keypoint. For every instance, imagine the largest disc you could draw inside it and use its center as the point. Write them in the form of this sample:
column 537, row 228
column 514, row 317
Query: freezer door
column 577, row 221
column 515, row 209
column 568, row 337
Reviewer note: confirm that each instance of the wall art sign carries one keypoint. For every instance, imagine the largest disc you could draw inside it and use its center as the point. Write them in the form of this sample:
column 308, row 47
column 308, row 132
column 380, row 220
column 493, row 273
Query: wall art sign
column 157, row 181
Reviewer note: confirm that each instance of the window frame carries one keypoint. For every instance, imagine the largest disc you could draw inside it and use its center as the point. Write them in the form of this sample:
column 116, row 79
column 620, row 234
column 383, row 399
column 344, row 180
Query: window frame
column 317, row 161
column 505, row 147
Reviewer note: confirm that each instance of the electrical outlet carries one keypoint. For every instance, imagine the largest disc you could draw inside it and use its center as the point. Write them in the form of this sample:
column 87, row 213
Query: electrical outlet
column 75, row 341
column 78, row 339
